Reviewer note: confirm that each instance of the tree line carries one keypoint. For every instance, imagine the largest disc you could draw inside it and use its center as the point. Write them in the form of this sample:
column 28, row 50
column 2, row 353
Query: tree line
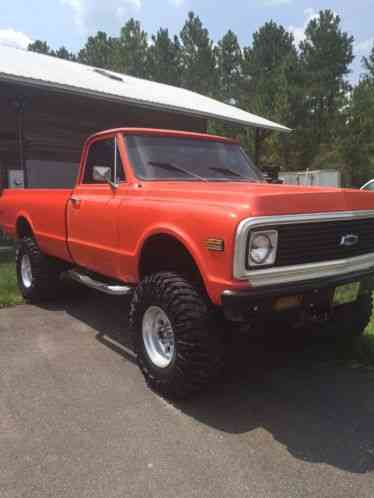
column 305, row 87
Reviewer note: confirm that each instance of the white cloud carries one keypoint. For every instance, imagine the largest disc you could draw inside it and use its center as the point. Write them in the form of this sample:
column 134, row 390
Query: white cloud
column 177, row 3
column 364, row 46
column 13, row 38
column 274, row 3
column 299, row 31
column 105, row 15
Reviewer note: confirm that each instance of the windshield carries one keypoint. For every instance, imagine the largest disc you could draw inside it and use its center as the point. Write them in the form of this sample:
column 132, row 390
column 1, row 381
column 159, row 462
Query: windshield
column 175, row 158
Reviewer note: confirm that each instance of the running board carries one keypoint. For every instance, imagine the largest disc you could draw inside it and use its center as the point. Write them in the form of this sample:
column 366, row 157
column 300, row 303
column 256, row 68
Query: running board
column 112, row 289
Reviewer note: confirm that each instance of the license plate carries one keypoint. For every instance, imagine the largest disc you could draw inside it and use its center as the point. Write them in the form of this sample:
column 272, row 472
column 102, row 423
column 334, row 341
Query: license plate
column 345, row 294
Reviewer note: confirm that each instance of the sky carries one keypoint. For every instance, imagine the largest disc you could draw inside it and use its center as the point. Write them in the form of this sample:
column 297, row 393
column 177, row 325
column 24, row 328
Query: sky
column 69, row 22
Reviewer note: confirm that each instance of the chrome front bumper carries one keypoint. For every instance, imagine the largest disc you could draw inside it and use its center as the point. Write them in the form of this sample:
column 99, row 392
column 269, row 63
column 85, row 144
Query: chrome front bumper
column 298, row 273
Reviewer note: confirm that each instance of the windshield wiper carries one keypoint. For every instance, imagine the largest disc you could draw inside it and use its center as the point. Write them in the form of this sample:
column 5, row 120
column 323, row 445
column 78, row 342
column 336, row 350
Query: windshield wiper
column 230, row 173
column 174, row 167
column 227, row 172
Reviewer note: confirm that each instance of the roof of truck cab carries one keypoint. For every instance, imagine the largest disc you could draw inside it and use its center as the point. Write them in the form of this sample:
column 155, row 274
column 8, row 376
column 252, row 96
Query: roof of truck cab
column 165, row 133
column 30, row 68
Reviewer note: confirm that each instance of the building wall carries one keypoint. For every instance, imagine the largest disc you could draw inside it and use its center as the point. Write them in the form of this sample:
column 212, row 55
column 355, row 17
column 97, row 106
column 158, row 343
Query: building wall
column 55, row 126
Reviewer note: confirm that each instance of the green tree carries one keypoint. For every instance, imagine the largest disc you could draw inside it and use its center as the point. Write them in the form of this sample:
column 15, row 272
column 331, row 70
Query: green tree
column 42, row 47
column 164, row 58
column 269, row 88
column 39, row 46
column 98, row 51
column 357, row 142
column 198, row 60
column 132, row 50
column 368, row 63
column 326, row 54
column 229, row 62
column 63, row 53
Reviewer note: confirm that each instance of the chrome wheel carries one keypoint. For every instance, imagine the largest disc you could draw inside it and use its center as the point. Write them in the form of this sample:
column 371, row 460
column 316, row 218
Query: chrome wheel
column 26, row 271
column 158, row 337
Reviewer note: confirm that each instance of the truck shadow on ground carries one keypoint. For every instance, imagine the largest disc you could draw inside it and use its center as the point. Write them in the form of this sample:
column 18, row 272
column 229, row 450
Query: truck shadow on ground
column 292, row 386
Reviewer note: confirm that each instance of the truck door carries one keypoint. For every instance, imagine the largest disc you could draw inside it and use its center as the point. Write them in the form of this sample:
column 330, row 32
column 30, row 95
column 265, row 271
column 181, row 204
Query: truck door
column 92, row 217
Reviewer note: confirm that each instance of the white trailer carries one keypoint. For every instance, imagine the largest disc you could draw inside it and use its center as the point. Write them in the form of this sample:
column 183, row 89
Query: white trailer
column 321, row 177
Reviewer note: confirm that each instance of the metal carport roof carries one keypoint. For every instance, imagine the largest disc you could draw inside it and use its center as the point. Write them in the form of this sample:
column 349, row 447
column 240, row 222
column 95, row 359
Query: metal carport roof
column 29, row 68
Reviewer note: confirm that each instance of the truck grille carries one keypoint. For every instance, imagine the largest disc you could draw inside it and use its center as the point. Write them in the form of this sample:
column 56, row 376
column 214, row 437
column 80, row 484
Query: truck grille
column 303, row 243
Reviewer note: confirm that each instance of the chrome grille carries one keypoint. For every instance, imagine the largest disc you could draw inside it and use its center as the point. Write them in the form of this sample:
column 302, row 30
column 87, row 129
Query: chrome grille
column 303, row 243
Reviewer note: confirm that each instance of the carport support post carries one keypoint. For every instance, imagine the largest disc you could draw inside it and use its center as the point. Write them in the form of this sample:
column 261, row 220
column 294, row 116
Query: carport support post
column 20, row 109
column 257, row 146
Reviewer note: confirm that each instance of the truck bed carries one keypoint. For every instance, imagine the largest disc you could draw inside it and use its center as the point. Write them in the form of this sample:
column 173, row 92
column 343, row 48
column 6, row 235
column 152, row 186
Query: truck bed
column 46, row 214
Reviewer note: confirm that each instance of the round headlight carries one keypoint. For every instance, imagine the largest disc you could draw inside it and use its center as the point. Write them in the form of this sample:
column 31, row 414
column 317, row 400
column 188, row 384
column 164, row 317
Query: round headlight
column 260, row 249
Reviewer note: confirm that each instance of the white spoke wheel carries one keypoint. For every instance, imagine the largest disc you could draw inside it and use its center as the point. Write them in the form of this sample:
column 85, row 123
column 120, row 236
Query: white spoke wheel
column 26, row 271
column 158, row 337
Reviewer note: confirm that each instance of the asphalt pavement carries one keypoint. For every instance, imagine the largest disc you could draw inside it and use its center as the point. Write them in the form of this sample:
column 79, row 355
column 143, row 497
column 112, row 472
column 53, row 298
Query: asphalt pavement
column 76, row 419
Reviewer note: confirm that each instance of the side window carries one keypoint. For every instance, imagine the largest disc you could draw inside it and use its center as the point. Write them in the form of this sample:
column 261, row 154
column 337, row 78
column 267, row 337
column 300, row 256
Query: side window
column 370, row 186
column 104, row 153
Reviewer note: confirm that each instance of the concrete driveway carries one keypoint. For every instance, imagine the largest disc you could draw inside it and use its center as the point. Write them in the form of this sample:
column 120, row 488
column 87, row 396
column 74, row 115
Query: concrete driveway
column 76, row 419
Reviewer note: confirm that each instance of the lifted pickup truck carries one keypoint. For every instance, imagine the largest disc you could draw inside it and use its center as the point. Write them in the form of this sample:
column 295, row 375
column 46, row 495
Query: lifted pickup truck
column 185, row 223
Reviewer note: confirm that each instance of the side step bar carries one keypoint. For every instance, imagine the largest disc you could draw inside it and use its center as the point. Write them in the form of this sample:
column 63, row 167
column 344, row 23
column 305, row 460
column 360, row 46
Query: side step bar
column 112, row 289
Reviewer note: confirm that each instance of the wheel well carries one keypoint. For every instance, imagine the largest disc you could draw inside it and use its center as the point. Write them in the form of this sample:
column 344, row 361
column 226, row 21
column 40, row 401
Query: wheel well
column 165, row 253
column 23, row 228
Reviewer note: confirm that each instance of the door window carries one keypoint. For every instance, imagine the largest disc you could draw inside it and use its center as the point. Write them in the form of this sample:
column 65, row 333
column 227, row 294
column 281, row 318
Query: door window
column 104, row 153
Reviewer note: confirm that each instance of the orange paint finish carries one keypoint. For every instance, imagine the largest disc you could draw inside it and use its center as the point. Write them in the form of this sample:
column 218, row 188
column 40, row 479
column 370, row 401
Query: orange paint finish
column 45, row 212
column 105, row 229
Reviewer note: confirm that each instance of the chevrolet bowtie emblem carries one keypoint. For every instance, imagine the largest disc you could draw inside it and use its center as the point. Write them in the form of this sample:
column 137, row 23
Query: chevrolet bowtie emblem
column 349, row 240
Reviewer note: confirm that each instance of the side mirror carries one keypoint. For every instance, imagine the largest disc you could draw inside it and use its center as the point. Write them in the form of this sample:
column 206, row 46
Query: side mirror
column 103, row 174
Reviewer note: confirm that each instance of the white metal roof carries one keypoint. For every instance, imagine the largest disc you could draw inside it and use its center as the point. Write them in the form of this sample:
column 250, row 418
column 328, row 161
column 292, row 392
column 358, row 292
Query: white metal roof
column 45, row 71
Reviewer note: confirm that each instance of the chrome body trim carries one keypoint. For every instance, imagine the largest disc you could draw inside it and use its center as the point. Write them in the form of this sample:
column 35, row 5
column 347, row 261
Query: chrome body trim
column 295, row 273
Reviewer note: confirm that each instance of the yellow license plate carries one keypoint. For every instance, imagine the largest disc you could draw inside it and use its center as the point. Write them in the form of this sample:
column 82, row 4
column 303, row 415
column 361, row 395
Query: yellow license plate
column 345, row 294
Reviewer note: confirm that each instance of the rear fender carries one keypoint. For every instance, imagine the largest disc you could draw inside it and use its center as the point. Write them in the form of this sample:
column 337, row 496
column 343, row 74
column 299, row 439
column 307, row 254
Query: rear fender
column 24, row 215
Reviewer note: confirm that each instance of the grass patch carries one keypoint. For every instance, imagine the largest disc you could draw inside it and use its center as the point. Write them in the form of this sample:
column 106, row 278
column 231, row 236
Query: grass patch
column 364, row 346
column 9, row 293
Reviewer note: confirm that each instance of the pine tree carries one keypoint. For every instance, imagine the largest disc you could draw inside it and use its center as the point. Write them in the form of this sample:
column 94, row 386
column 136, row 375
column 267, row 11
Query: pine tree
column 368, row 64
column 229, row 61
column 357, row 141
column 270, row 70
column 39, row 46
column 198, row 61
column 63, row 53
column 98, row 51
column 131, row 50
column 326, row 54
column 164, row 58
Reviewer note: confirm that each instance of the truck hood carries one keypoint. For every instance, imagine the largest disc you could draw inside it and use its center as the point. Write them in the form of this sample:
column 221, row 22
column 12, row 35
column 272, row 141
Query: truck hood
column 262, row 199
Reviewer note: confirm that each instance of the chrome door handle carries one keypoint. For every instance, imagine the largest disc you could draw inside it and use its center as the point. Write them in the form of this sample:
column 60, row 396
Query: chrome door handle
column 76, row 201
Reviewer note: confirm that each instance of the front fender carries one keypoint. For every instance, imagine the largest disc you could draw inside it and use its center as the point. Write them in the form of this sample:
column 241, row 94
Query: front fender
column 183, row 237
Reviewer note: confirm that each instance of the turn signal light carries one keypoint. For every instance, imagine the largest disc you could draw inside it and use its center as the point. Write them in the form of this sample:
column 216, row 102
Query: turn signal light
column 217, row 245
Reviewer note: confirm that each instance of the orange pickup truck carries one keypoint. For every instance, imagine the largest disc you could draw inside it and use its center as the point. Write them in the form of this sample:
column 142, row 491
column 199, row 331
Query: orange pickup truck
column 185, row 223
